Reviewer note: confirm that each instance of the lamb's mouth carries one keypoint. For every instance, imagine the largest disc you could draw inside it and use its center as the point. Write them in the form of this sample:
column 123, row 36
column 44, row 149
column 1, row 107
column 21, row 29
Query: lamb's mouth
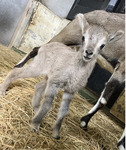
column 86, row 58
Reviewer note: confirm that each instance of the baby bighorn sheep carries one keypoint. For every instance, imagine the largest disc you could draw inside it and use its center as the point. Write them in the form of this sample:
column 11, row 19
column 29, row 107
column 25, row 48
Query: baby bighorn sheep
column 63, row 68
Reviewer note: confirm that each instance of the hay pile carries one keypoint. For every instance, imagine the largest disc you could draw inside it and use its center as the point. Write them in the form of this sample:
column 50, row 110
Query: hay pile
column 16, row 112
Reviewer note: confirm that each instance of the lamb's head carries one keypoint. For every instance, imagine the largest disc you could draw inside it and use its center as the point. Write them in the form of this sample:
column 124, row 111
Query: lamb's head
column 94, row 38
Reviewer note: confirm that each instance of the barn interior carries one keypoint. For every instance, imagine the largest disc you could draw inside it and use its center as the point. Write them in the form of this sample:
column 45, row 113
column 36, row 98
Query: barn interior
column 34, row 24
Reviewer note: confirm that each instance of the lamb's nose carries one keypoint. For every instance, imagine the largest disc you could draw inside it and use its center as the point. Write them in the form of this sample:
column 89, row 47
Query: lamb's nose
column 89, row 52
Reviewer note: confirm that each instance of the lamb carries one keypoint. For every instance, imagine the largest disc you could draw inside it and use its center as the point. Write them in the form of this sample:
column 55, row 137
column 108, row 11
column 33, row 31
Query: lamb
column 62, row 68
column 114, row 53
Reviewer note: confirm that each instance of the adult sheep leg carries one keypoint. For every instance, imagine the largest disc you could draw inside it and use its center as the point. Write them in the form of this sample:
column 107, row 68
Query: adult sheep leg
column 39, row 91
column 50, row 92
column 121, row 142
column 67, row 97
column 86, row 119
column 110, row 87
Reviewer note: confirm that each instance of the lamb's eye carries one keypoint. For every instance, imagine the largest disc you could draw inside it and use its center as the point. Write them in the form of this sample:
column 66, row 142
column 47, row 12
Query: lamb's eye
column 83, row 38
column 102, row 46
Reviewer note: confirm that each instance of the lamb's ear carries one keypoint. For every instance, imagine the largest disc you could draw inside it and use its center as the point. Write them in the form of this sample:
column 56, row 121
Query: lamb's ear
column 82, row 21
column 116, row 36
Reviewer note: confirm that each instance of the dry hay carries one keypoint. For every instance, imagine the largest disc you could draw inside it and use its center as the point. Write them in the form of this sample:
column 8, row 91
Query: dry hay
column 16, row 113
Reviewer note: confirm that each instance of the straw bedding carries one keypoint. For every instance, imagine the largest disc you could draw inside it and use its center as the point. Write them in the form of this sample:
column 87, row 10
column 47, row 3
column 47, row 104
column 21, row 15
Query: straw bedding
column 16, row 113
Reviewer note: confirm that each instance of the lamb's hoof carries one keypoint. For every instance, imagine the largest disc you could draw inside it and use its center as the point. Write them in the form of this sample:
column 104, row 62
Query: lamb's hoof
column 57, row 138
column 2, row 93
column 55, row 135
column 35, row 127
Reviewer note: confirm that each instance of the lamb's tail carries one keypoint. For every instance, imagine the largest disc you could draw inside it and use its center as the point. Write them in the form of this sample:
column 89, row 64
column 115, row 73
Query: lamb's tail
column 32, row 54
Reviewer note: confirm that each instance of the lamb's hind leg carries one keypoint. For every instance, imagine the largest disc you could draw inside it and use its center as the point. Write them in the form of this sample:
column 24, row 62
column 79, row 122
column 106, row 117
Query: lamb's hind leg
column 67, row 97
column 39, row 91
column 50, row 92
column 16, row 73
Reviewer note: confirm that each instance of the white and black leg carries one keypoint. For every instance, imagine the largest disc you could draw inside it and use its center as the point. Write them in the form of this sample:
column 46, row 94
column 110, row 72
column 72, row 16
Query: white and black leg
column 50, row 92
column 121, row 142
column 39, row 91
column 63, row 111
column 84, row 120
column 110, row 86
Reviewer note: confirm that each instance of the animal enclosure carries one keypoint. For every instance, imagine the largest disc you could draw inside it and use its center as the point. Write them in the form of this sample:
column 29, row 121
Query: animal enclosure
column 15, row 107
column 16, row 112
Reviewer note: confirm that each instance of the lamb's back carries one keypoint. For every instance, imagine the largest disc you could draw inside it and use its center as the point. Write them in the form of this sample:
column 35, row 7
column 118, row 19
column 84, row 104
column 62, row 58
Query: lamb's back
column 55, row 56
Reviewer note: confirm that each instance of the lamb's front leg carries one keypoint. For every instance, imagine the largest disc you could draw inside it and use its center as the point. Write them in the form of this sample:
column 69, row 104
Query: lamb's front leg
column 39, row 91
column 67, row 97
column 50, row 93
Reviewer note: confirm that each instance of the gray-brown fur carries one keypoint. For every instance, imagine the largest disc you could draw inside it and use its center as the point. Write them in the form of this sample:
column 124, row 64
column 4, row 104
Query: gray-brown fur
column 111, row 22
column 114, row 53
column 63, row 68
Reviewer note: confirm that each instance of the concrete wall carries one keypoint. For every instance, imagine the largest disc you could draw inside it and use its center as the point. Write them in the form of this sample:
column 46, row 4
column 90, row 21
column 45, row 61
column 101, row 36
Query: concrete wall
column 10, row 14
column 60, row 7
